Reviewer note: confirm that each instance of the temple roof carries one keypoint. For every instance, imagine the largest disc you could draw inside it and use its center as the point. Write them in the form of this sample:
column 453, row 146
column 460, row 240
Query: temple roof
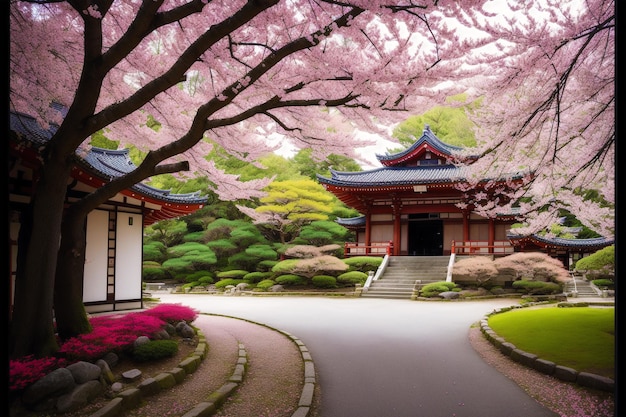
column 99, row 166
column 427, row 142
column 397, row 176
column 557, row 242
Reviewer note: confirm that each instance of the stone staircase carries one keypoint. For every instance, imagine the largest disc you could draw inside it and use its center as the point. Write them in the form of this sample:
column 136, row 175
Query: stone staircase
column 583, row 288
column 402, row 273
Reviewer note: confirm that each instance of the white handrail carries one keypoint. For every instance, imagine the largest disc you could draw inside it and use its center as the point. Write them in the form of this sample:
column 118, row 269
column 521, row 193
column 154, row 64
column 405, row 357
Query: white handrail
column 450, row 266
column 373, row 277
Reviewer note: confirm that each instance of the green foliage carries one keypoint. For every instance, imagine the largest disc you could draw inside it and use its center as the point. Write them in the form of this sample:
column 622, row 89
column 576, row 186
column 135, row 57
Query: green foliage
column 265, row 284
column 604, row 259
column 435, row 288
column 223, row 283
column 352, row 277
column 169, row 232
column 262, row 252
column 202, row 277
column 194, row 237
column 324, row 281
column 154, row 251
column 266, row 265
column 537, row 287
column 256, row 277
column 191, row 256
column 223, row 248
column 322, row 232
column 604, row 283
column 450, row 124
column 154, row 273
column 285, row 266
column 296, row 203
column 363, row 263
column 155, row 349
column 233, row 273
column 290, row 279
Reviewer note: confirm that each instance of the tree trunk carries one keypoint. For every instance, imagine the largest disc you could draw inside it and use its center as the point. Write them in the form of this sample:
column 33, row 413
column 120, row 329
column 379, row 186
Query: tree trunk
column 32, row 328
column 69, row 310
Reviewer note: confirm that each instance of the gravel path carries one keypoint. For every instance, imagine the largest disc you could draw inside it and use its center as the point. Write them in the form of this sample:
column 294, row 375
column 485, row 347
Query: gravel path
column 272, row 383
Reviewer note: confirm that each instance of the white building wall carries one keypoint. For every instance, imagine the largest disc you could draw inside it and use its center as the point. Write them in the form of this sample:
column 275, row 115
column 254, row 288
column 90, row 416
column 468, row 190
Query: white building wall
column 95, row 271
column 128, row 256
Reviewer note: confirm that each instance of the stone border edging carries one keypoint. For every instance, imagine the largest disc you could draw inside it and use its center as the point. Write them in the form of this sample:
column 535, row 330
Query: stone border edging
column 530, row 360
column 132, row 397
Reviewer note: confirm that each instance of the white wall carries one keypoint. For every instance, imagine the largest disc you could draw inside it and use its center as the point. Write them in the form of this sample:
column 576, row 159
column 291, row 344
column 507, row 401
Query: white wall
column 95, row 272
column 128, row 256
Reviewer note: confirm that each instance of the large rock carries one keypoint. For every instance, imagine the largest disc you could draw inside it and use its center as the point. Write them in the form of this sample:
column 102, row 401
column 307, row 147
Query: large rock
column 80, row 396
column 58, row 382
column 84, row 371
column 449, row 295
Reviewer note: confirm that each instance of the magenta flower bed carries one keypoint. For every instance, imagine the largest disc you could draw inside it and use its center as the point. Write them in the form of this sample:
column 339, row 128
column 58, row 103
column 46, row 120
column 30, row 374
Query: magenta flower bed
column 110, row 333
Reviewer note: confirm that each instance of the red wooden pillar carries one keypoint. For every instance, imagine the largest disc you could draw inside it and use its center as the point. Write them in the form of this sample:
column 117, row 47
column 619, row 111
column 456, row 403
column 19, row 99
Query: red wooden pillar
column 466, row 229
column 397, row 229
column 492, row 234
column 368, row 232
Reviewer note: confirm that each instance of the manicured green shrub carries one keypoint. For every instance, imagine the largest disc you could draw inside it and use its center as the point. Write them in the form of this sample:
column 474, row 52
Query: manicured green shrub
column 435, row 288
column 324, row 281
column 223, row 283
column 256, row 277
column 364, row 263
column 265, row 284
column 604, row 259
column 604, row 283
column 289, row 279
column 352, row 277
column 537, row 287
column 266, row 265
column 233, row 273
column 154, row 273
column 206, row 280
column 155, row 349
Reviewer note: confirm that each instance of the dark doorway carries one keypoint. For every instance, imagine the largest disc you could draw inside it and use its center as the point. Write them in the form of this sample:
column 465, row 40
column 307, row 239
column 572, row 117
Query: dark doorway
column 425, row 236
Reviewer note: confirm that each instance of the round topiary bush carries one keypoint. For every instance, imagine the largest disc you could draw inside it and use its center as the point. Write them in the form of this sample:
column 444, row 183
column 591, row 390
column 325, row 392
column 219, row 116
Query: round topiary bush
column 155, row 349
column 324, row 281
column 289, row 279
column 352, row 277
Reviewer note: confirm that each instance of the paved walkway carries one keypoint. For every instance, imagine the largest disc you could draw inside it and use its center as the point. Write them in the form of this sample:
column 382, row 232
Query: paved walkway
column 387, row 358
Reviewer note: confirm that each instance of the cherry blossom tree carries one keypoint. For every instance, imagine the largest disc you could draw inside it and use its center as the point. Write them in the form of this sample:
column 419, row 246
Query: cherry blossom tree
column 548, row 113
column 163, row 76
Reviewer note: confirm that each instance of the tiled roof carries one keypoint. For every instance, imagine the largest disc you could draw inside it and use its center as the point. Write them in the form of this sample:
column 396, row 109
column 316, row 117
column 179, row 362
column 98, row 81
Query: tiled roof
column 351, row 221
column 115, row 163
column 427, row 137
column 397, row 175
column 103, row 163
column 568, row 243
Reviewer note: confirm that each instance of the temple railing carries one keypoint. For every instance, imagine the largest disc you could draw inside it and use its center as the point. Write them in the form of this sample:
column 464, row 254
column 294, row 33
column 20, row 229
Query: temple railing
column 374, row 249
column 481, row 247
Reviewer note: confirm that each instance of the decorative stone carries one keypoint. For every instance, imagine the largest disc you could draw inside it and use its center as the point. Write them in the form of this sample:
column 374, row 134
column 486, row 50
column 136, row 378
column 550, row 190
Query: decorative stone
column 132, row 374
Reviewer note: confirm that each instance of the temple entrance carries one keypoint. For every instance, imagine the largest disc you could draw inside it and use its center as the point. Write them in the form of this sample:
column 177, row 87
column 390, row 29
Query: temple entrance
column 425, row 235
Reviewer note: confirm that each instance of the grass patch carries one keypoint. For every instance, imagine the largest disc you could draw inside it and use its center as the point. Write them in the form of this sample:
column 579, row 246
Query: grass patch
column 580, row 338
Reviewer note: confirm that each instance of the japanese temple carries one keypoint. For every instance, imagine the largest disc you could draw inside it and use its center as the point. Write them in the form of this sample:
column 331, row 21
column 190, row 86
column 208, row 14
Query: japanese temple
column 114, row 250
column 413, row 206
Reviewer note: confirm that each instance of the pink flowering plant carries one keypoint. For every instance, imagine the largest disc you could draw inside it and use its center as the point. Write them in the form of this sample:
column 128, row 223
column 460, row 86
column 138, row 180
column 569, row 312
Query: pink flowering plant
column 110, row 333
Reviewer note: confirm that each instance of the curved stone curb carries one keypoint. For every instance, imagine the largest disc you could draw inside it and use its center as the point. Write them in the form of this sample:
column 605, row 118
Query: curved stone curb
column 132, row 397
column 530, row 360
column 308, row 388
column 215, row 400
